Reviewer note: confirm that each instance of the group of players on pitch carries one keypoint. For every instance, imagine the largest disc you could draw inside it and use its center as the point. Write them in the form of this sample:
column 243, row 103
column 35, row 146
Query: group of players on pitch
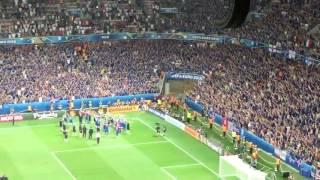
column 158, row 130
column 89, row 123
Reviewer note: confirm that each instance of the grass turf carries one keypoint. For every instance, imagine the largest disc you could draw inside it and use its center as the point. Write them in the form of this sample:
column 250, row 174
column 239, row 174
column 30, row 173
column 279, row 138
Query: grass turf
column 36, row 150
column 266, row 162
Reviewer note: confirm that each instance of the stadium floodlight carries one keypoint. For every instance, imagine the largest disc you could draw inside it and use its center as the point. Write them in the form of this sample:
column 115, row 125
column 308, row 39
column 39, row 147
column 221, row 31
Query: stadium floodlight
column 233, row 166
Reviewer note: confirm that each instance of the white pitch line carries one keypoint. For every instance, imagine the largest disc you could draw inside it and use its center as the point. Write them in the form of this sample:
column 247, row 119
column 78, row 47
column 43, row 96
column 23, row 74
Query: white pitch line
column 63, row 166
column 262, row 169
column 21, row 127
column 284, row 163
column 217, row 128
column 181, row 166
column 186, row 152
column 169, row 174
column 163, row 168
column 110, row 147
column 267, row 160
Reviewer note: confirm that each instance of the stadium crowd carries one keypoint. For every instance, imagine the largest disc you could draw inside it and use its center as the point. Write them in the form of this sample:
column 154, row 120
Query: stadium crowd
column 286, row 27
column 36, row 18
column 59, row 72
column 276, row 98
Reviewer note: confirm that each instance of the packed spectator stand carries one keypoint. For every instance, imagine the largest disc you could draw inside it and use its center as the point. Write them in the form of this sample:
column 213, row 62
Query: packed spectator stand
column 254, row 85
column 39, row 18
column 285, row 25
column 275, row 98
column 62, row 71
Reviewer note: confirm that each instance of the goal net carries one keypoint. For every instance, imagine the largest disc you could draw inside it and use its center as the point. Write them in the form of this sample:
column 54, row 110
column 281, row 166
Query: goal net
column 233, row 166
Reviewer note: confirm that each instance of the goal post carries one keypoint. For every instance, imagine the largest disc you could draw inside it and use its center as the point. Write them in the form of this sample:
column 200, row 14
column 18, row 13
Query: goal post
column 233, row 166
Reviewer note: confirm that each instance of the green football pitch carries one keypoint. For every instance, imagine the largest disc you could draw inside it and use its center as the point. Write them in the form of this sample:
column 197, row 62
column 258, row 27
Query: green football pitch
column 36, row 150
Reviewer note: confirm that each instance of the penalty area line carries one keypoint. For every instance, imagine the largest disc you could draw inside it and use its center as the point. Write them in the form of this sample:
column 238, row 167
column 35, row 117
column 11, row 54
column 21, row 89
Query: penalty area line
column 183, row 150
column 63, row 166
column 168, row 173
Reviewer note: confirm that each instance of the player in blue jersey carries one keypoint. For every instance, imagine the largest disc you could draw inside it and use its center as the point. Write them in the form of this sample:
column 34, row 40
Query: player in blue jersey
column 70, row 119
column 123, row 125
column 106, row 127
column 97, row 122
column 87, row 117
column 118, row 128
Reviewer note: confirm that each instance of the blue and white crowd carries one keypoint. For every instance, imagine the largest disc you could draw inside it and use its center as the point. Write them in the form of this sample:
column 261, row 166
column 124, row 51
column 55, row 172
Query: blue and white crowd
column 276, row 98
